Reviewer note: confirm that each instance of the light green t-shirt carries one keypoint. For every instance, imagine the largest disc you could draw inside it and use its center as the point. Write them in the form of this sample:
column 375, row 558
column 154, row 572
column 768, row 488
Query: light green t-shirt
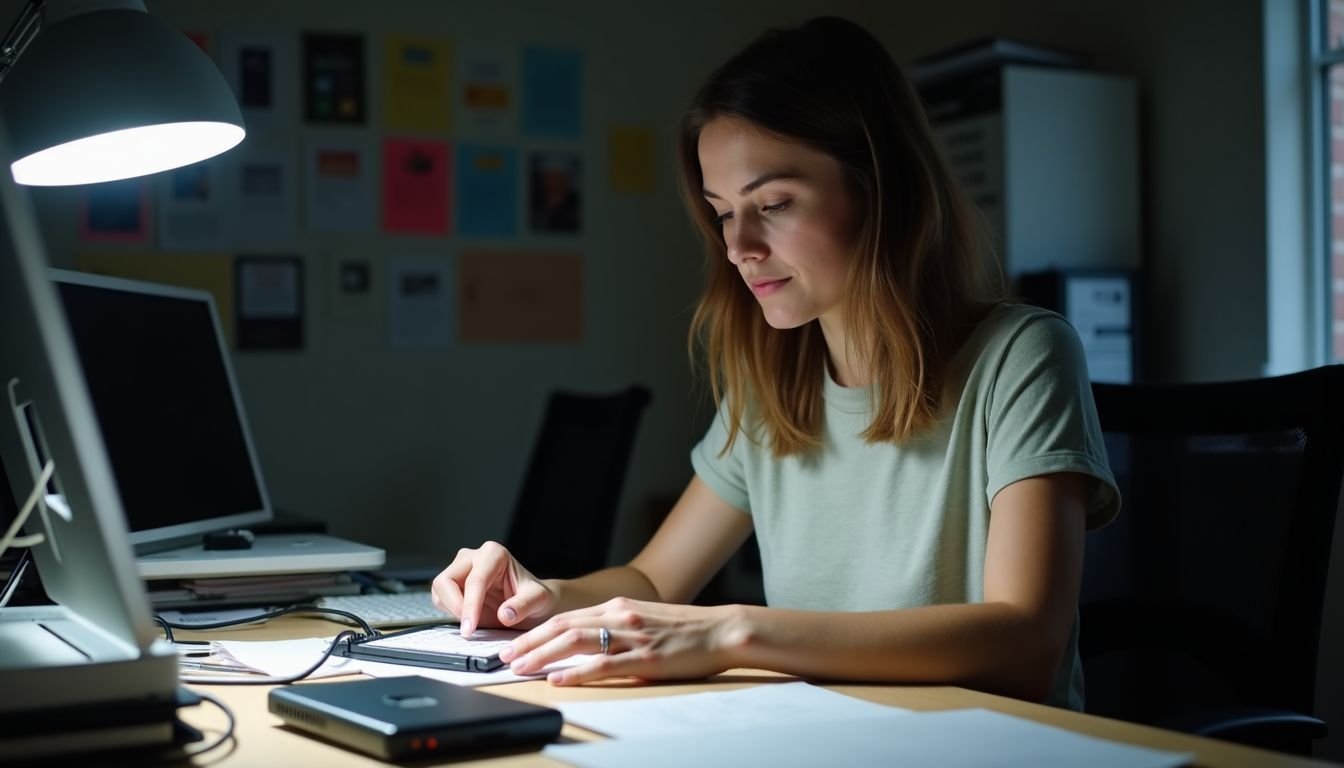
column 867, row 527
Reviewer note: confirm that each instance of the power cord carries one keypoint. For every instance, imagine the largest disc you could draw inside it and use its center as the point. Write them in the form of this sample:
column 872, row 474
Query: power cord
column 169, row 626
column 12, row 537
column 344, row 636
column 228, row 730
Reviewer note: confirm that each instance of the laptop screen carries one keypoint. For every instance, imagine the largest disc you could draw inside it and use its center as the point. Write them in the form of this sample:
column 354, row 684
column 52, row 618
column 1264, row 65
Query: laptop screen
column 167, row 405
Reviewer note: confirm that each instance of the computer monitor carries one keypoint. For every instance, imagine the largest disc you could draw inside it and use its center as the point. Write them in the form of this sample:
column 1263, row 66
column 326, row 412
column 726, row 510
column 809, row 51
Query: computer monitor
column 168, row 407
column 85, row 561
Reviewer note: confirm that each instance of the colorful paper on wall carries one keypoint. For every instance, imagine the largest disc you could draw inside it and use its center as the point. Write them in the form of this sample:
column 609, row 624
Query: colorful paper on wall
column 260, row 68
column 269, row 302
column 419, row 301
column 415, row 186
column 211, row 272
column 333, row 78
column 552, row 93
column 417, row 75
column 554, row 192
column 193, row 207
column 255, row 70
column 116, row 212
column 487, row 191
column 630, row 154
column 487, row 92
column 520, row 297
column 354, row 284
column 340, row 189
column 265, row 197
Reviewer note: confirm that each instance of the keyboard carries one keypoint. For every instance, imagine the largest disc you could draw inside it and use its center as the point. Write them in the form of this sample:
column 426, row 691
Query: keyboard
column 389, row 610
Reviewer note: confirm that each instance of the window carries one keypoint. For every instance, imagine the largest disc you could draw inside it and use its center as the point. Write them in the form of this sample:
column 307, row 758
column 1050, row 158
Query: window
column 1328, row 65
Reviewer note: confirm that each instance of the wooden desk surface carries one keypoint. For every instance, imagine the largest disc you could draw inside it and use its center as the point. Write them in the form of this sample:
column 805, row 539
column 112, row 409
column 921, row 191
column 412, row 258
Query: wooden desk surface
column 261, row 740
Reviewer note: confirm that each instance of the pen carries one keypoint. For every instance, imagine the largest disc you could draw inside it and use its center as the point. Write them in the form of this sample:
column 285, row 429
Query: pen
column 209, row 667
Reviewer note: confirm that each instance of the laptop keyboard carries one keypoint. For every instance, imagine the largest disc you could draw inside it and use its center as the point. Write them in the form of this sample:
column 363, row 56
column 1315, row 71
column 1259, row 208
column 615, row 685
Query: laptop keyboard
column 389, row 610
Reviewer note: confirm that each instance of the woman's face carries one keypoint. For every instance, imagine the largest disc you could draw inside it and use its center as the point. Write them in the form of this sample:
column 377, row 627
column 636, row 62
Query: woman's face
column 788, row 219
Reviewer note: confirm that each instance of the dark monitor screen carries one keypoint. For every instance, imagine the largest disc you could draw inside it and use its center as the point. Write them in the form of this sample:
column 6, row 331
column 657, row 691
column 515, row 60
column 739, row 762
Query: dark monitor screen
column 166, row 403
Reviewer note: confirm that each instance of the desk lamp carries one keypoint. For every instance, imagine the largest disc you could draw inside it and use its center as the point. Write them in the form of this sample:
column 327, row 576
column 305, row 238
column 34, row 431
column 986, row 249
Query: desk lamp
column 99, row 90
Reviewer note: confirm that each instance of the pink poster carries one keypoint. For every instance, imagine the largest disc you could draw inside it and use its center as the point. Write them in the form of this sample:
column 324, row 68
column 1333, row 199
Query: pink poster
column 415, row 186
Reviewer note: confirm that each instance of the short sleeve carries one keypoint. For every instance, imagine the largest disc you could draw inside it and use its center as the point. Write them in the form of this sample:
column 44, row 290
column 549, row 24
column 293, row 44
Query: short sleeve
column 1041, row 417
column 723, row 472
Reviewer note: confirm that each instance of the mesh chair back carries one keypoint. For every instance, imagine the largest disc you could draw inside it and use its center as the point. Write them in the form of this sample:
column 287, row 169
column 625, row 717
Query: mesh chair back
column 1207, row 591
column 564, row 515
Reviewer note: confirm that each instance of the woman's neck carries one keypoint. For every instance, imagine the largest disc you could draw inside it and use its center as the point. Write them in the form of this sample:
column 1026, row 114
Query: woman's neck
column 847, row 367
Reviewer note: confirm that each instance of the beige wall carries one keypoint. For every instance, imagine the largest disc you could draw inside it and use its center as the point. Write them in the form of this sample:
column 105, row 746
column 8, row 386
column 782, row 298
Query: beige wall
column 358, row 433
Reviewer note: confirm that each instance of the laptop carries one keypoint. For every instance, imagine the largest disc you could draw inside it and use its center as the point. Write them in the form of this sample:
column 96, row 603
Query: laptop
column 167, row 402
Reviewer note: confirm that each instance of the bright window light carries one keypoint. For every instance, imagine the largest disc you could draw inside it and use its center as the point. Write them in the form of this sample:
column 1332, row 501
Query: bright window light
column 126, row 153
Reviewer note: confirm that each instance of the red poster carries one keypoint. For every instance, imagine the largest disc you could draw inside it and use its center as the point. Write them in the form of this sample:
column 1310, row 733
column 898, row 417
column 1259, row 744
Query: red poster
column 415, row 186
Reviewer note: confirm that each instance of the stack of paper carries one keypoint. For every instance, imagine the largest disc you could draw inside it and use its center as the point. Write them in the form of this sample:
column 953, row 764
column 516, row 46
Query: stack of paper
column 795, row 724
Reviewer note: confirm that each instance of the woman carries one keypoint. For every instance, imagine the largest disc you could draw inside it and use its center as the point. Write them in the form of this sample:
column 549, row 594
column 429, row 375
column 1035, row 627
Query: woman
column 918, row 460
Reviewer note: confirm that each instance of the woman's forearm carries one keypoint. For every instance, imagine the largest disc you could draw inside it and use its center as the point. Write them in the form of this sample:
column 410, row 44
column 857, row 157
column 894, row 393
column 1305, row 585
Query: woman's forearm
column 600, row 586
column 994, row 647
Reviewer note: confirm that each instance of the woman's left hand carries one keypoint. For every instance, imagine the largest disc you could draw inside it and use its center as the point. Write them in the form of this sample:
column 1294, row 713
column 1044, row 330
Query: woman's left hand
column 654, row 641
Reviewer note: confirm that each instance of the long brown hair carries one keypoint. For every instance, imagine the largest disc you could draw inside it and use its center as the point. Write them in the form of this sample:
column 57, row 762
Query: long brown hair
column 918, row 278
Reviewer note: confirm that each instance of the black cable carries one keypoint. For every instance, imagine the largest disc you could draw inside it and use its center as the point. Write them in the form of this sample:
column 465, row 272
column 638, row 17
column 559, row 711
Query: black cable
column 368, row 631
column 228, row 730
column 346, row 635
column 303, row 608
column 167, row 628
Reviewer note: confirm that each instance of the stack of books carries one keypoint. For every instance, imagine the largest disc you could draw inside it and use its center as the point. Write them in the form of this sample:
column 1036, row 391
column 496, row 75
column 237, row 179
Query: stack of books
column 239, row 591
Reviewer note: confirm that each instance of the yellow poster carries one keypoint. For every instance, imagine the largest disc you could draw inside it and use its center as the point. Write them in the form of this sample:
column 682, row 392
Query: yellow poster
column 631, row 156
column 211, row 272
column 417, row 78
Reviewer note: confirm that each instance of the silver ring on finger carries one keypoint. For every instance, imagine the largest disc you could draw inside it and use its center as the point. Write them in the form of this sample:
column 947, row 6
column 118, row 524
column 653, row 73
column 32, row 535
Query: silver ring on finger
column 604, row 640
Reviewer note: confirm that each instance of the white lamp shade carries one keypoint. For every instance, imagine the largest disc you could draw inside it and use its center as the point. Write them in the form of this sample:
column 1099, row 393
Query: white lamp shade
column 113, row 94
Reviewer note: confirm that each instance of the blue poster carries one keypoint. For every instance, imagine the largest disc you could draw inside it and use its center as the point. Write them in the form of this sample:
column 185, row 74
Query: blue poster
column 487, row 191
column 552, row 93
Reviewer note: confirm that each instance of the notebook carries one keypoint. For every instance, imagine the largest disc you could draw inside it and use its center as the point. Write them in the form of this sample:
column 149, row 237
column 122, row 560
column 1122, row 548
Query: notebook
column 439, row 646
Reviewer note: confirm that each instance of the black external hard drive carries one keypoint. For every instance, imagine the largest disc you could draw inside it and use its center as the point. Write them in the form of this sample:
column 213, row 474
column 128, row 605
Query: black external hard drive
column 400, row 718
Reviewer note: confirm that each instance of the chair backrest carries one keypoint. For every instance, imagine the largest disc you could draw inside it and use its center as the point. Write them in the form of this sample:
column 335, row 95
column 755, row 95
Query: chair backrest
column 1207, row 591
column 565, row 512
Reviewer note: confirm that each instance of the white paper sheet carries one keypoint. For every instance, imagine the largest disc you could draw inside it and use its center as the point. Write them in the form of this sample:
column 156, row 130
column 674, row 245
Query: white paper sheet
column 420, row 301
column 953, row 739
column 340, row 191
column 762, row 705
column 284, row 658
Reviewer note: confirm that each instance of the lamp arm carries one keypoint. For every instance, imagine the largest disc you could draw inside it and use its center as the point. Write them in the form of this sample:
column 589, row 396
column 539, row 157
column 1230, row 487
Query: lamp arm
column 20, row 34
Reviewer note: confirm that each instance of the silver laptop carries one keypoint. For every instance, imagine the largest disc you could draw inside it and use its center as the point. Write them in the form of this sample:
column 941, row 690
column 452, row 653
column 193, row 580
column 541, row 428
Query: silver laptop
column 96, row 649
column 168, row 406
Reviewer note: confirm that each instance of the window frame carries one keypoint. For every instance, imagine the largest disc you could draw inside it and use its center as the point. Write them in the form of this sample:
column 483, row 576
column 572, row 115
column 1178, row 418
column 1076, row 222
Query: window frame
column 1320, row 59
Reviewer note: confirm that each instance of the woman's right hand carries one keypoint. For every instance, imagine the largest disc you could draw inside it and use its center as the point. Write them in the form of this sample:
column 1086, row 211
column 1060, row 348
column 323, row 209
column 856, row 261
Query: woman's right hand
column 486, row 587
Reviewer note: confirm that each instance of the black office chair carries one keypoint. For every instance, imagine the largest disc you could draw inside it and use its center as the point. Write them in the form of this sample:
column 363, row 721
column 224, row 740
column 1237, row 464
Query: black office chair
column 563, row 519
column 1201, row 603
